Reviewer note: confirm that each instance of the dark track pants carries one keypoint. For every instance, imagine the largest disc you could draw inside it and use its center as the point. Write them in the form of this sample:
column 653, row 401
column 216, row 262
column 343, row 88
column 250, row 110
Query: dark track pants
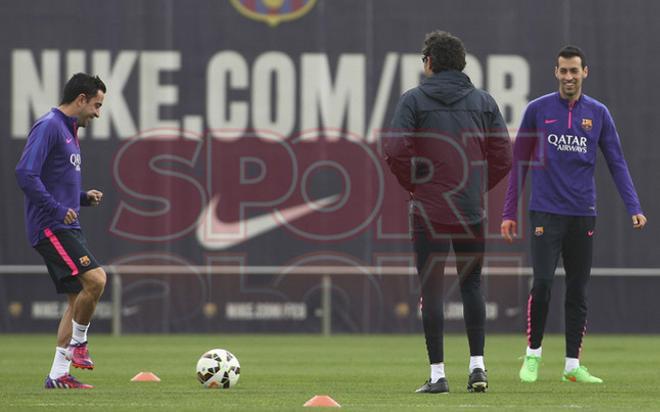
column 431, row 258
column 571, row 237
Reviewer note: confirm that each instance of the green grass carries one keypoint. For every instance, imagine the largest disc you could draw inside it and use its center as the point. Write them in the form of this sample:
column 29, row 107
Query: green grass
column 369, row 372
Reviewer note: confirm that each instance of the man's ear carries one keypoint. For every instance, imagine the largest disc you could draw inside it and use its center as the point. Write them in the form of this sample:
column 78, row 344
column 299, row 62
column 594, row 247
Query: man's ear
column 82, row 98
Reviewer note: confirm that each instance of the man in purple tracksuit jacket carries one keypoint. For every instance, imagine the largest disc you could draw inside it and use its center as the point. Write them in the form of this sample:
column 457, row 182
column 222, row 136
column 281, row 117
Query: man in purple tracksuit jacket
column 49, row 173
column 558, row 139
column 447, row 147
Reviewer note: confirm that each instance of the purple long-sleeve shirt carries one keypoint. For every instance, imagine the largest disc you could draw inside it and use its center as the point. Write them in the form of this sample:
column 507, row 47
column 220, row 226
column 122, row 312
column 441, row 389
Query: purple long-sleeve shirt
column 49, row 175
column 558, row 141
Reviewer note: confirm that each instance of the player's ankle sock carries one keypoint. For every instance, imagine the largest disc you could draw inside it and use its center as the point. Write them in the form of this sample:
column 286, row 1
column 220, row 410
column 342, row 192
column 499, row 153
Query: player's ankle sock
column 79, row 333
column 437, row 371
column 477, row 362
column 534, row 352
column 60, row 364
column 571, row 363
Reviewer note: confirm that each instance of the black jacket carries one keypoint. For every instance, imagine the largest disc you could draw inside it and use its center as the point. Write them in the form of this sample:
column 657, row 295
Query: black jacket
column 447, row 147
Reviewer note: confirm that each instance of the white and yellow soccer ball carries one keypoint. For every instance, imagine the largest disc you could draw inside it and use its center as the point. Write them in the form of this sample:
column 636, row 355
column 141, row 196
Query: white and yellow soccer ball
column 218, row 368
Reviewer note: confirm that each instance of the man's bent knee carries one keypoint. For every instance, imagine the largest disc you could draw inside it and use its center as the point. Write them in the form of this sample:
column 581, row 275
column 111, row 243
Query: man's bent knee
column 93, row 281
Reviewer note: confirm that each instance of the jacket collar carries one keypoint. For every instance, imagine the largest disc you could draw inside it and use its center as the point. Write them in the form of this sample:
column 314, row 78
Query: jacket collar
column 564, row 102
column 71, row 122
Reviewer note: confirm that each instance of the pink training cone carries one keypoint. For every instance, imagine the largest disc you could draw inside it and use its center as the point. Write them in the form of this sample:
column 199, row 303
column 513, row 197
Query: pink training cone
column 322, row 401
column 145, row 377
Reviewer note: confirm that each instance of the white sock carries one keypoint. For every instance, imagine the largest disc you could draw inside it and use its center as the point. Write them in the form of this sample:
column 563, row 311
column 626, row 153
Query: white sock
column 60, row 364
column 437, row 371
column 477, row 362
column 571, row 363
column 534, row 352
column 79, row 333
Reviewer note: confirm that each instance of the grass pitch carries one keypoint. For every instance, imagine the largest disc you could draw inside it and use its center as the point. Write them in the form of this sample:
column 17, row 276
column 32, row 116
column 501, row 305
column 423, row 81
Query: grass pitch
column 368, row 372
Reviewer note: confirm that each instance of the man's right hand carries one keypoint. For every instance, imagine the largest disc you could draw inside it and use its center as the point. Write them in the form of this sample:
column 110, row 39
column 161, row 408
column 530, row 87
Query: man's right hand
column 508, row 229
column 639, row 221
column 70, row 216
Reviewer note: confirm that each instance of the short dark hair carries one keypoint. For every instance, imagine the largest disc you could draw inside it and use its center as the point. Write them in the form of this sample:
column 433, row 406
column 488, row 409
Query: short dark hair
column 81, row 83
column 571, row 51
column 447, row 52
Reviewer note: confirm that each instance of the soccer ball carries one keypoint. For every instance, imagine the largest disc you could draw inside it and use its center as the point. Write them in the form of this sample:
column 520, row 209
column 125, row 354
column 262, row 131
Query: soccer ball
column 218, row 368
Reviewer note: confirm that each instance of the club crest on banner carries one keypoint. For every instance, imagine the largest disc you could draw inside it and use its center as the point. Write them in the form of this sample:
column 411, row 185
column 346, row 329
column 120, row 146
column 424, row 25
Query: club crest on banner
column 273, row 12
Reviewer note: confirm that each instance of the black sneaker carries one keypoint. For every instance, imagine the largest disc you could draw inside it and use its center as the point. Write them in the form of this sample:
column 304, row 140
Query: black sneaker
column 440, row 386
column 478, row 381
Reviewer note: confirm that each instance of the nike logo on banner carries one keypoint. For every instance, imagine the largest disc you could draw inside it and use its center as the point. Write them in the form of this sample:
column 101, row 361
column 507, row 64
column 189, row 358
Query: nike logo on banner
column 214, row 234
column 549, row 121
column 590, row 233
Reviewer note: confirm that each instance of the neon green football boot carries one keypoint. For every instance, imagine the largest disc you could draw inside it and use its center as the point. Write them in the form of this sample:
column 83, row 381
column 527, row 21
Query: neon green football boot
column 530, row 369
column 580, row 375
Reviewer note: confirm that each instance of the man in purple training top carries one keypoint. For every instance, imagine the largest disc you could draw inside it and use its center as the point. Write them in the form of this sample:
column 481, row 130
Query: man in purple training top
column 559, row 136
column 49, row 174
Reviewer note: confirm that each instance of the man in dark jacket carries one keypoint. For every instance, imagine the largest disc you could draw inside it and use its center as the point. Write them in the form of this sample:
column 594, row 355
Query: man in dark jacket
column 448, row 146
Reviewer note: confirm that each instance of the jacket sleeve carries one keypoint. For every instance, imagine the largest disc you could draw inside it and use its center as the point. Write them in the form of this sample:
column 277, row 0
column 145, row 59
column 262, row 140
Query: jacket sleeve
column 610, row 145
column 28, row 171
column 84, row 200
column 498, row 149
column 523, row 148
column 398, row 143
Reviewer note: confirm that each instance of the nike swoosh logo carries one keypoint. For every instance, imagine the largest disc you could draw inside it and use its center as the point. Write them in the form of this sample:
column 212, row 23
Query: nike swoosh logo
column 214, row 234
column 549, row 121
column 69, row 140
